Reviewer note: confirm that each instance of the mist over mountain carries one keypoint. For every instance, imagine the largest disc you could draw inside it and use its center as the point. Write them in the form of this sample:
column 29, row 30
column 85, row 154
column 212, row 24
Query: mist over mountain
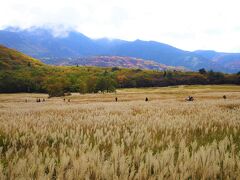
column 44, row 44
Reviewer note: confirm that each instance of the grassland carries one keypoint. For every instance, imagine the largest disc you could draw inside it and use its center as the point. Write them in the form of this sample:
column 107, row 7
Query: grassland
column 94, row 137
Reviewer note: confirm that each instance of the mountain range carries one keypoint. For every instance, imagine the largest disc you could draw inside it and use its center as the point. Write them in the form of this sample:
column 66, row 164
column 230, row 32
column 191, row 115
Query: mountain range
column 43, row 44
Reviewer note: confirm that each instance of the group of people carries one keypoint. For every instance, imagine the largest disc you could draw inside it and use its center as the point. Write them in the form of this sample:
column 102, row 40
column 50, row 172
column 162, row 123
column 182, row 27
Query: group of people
column 43, row 100
column 189, row 98
column 39, row 100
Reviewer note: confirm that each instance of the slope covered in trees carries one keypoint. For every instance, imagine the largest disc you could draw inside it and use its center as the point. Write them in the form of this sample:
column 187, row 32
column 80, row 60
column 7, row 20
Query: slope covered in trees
column 20, row 73
column 12, row 59
column 112, row 61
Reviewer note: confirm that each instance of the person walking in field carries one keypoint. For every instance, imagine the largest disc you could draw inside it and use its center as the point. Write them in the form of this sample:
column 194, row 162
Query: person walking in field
column 116, row 99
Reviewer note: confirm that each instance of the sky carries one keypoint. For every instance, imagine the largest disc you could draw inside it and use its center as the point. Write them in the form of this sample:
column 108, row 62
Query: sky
column 186, row 24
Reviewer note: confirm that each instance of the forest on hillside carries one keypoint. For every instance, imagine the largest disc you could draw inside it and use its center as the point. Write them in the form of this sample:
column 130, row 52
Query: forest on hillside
column 58, row 80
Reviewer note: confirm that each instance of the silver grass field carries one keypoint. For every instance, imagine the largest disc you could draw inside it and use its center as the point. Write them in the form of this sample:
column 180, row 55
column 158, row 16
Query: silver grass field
column 94, row 137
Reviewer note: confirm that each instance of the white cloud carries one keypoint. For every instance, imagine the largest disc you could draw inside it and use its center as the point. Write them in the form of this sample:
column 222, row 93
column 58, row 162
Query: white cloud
column 187, row 24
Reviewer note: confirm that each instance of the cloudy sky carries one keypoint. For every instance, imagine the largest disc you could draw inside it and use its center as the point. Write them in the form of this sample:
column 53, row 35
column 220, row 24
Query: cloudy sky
column 186, row 24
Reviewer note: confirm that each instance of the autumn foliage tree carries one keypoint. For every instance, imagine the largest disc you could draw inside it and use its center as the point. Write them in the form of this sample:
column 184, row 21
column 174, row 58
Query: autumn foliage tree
column 56, row 86
column 105, row 84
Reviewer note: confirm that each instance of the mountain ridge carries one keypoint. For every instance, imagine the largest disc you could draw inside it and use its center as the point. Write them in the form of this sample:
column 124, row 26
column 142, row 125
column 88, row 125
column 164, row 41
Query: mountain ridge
column 41, row 43
column 11, row 59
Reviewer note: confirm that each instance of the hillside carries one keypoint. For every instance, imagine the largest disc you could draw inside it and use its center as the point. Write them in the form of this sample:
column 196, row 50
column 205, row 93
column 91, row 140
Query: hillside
column 112, row 61
column 12, row 59
column 43, row 44
column 21, row 73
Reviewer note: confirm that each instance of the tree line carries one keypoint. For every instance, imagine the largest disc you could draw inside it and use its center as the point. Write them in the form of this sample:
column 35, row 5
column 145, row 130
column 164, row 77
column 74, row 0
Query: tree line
column 56, row 81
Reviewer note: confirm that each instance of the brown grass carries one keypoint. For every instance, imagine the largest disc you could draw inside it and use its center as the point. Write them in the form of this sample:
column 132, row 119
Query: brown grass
column 94, row 137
